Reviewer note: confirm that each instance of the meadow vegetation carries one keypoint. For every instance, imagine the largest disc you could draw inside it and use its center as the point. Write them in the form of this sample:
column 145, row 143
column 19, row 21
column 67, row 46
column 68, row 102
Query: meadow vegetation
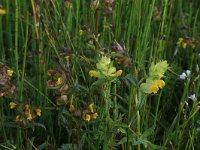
column 99, row 74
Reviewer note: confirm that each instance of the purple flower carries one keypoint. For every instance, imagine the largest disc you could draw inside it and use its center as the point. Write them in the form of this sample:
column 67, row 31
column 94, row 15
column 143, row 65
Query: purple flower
column 192, row 97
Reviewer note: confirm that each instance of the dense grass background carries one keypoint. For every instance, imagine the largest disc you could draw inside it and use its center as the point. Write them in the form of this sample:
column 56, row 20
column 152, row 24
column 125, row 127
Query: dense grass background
column 36, row 36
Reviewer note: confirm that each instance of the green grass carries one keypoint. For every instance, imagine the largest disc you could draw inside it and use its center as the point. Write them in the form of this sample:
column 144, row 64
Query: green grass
column 36, row 36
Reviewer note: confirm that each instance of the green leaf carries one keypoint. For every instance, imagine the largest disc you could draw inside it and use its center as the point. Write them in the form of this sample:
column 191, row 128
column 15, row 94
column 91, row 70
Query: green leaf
column 67, row 147
column 130, row 78
column 122, row 141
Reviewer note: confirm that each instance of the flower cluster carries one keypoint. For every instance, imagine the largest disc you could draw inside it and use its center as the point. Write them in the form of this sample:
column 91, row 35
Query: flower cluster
column 119, row 54
column 185, row 75
column 185, row 42
column 89, row 113
column 105, row 70
column 6, row 86
column 56, row 78
column 154, row 81
column 58, row 83
column 27, row 112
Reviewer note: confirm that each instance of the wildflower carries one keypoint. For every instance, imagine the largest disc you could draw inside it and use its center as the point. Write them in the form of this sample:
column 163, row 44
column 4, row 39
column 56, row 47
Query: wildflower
column 153, row 88
column 157, row 70
column 154, row 82
column 187, row 41
column 112, row 70
column 59, row 81
column 38, row 112
column 184, row 45
column 29, row 117
column 62, row 100
column 71, row 108
column 87, row 117
column 192, row 97
column 18, row 118
column 105, row 69
column 94, row 115
column 160, row 83
column 2, row 11
column 183, row 76
column 180, row 40
column 67, row 58
column 81, row 32
column 119, row 73
column 50, row 83
column 92, row 73
column 9, row 72
column 91, row 107
column 12, row 105
column 188, row 72
column 51, row 72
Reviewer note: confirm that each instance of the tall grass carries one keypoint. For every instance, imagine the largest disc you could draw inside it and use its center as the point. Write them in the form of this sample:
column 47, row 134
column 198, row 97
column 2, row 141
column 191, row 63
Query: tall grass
column 70, row 37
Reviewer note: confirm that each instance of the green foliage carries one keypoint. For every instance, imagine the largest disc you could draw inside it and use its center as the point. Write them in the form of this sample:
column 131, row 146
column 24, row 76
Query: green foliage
column 83, row 74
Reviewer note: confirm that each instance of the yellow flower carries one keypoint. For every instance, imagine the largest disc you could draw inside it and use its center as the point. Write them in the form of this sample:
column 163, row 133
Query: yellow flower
column 180, row 40
column 81, row 32
column 119, row 73
column 94, row 115
column 2, row 12
column 184, row 44
column 87, row 117
column 12, row 105
column 9, row 72
column 67, row 58
column 154, row 88
column 59, row 81
column 91, row 107
column 160, row 83
column 38, row 112
column 92, row 73
column 29, row 117
column 71, row 108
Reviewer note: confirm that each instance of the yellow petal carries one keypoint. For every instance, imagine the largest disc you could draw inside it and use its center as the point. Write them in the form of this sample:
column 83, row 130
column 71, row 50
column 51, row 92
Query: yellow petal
column 119, row 73
column 59, row 81
column 9, row 72
column 29, row 117
column 92, row 73
column 2, row 12
column 71, row 108
column 38, row 112
column 153, row 88
column 87, row 117
column 12, row 105
column 91, row 108
column 184, row 45
column 160, row 83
